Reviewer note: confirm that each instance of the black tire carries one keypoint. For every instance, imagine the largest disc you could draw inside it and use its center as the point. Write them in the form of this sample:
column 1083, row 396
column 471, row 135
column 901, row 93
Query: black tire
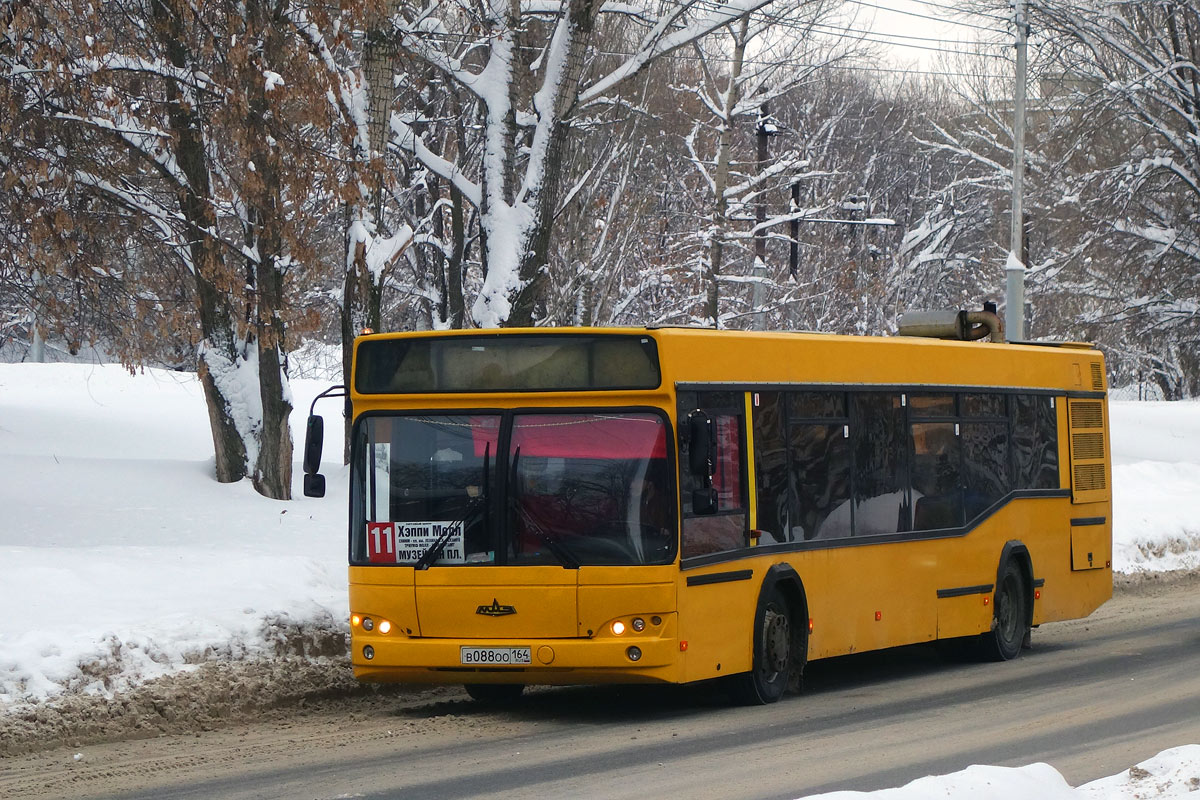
column 776, row 646
column 495, row 694
column 1010, row 616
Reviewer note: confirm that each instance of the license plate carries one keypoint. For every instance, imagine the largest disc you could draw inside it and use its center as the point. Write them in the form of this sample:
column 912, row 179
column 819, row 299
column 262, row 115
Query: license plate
column 495, row 656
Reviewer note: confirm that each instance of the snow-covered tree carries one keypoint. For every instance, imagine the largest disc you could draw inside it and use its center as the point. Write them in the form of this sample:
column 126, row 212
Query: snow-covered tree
column 761, row 59
column 1127, row 93
column 191, row 129
column 530, row 71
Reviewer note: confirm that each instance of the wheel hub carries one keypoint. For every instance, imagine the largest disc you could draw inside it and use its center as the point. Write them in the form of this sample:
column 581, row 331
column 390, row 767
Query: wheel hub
column 776, row 642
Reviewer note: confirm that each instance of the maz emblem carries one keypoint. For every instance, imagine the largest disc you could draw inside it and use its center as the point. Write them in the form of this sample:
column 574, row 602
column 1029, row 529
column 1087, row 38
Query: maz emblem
column 495, row 610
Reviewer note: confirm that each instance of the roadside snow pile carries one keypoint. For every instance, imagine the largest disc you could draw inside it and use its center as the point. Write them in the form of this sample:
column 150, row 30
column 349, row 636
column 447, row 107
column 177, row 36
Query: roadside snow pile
column 1156, row 475
column 124, row 560
column 1171, row 773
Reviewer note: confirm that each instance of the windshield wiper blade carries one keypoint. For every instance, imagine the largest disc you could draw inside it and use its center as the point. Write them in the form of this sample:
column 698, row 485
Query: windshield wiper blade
column 557, row 549
column 476, row 506
column 564, row 556
column 431, row 555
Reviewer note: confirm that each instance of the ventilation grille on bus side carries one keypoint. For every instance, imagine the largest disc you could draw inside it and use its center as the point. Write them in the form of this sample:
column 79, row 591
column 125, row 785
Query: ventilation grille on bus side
column 1097, row 377
column 1088, row 477
column 1086, row 419
column 1085, row 446
column 1087, row 414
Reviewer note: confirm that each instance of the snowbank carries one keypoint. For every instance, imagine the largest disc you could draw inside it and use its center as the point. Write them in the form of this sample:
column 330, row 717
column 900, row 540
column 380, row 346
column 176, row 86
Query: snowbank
column 123, row 559
column 1171, row 773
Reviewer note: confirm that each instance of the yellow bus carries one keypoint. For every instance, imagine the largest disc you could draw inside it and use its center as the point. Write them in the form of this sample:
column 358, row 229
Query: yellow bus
column 566, row 506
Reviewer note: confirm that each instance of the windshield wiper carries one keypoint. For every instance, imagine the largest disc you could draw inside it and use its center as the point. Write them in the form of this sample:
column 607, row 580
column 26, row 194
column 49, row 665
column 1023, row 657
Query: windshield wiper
column 558, row 550
column 435, row 551
column 475, row 507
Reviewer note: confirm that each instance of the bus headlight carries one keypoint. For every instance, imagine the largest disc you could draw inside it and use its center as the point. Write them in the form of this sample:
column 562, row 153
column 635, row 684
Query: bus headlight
column 368, row 624
column 618, row 627
column 634, row 653
column 368, row 652
column 639, row 624
column 385, row 626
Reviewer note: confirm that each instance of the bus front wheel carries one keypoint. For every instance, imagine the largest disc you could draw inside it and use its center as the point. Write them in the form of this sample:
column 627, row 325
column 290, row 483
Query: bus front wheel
column 1010, row 615
column 774, row 640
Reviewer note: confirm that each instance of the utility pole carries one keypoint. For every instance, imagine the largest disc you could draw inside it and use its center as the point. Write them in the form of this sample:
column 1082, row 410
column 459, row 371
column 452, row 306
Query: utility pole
column 1014, row 268
column 794, row 232
column 765, row 129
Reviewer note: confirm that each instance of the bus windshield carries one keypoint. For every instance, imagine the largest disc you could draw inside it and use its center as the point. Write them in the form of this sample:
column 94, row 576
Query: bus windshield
column 569, row 489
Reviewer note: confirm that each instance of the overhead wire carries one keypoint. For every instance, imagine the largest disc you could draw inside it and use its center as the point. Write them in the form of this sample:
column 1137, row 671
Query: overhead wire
column 919, row 15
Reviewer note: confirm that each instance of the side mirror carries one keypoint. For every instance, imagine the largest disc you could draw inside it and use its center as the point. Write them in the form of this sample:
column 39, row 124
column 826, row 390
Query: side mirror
column 314, row 438
column 700, row 444
column 314, row 485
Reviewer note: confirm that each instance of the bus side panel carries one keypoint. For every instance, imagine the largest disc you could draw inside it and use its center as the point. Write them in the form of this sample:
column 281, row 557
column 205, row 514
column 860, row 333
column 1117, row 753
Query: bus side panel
column 870, row 597
column 716, row 619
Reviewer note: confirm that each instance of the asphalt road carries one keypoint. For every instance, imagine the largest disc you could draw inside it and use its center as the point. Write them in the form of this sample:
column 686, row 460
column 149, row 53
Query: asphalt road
column 1091, row 698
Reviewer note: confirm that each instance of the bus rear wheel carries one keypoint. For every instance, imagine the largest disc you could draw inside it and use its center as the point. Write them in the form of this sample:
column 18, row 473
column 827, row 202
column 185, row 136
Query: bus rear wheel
column 774, row 653
column 1010, row 616
column 495, row 694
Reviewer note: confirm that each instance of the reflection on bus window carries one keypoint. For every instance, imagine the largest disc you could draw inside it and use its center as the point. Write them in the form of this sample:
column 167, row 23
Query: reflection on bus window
column 590, row 489
column 880, row 476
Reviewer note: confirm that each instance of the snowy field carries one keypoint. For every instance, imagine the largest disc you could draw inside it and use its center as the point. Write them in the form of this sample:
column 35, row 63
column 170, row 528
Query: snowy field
column 124, row 560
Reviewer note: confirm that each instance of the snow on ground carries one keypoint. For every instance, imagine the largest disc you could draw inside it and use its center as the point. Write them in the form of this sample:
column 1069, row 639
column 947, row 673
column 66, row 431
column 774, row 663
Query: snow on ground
column 1171, row 773
column 123, row 559
column 1156, row 485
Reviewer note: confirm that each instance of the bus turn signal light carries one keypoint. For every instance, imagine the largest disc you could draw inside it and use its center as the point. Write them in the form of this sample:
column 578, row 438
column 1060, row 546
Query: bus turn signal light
column 355, row 620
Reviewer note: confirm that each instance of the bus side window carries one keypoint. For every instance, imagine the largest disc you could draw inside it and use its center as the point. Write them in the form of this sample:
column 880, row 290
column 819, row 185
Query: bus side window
column 1034, row 442
column 881, row 500
column 771, row 465
column 726, row 529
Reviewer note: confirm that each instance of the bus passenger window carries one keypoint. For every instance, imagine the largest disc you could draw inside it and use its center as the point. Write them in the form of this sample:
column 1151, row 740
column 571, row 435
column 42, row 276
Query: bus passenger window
column 880, row 477
column 821, row 477
column 985, row 465
column 1035, row 442
column 771, row 466
column 937, row 498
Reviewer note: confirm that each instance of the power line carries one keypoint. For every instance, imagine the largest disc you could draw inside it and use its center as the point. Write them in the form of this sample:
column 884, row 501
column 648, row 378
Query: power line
column 922, row 16
column 954, row 9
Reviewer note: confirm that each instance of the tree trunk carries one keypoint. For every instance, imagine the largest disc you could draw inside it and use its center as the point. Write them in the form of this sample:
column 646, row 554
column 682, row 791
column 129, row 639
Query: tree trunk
column 273, row 470
column 457, row 305
column 535, row 261
column 716, row 246
column 219, row 344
